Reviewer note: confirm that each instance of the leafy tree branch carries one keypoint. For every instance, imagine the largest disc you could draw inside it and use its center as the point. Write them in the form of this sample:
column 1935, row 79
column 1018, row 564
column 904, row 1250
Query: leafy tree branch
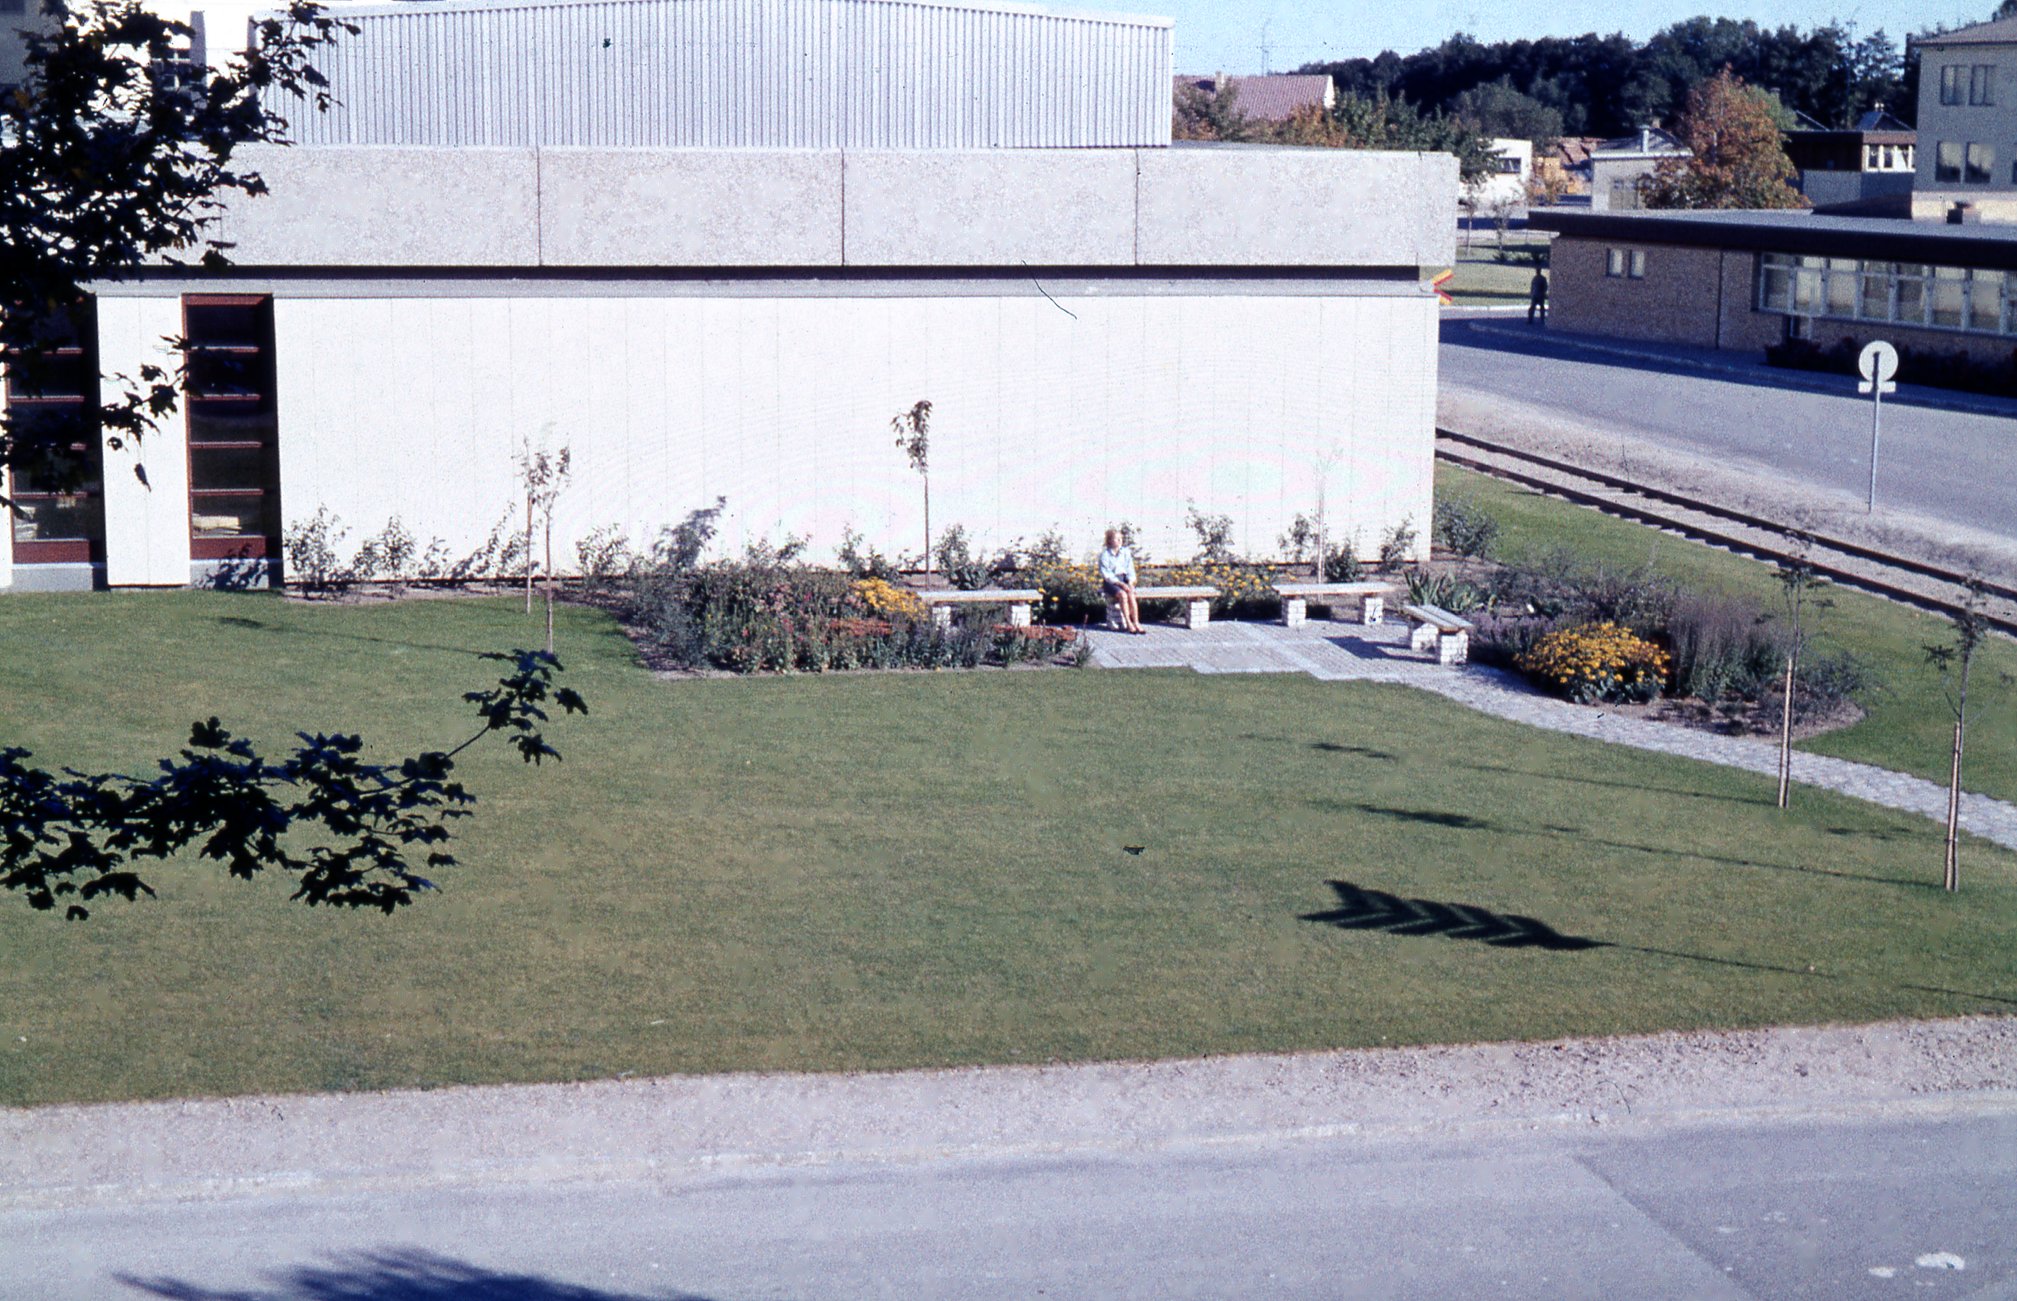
column 353, row 833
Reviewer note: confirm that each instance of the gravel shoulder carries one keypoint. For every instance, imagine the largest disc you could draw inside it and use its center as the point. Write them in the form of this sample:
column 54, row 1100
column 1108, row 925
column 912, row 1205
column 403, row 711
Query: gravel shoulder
column 631, row 1130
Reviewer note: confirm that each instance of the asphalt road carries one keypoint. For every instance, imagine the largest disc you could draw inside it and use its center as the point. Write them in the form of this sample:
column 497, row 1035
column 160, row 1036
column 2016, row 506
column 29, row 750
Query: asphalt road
column 1913, row 1200
column 1957, row 466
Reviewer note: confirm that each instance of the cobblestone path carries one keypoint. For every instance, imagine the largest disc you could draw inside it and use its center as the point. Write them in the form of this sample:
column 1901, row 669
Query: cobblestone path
column 1340, row 652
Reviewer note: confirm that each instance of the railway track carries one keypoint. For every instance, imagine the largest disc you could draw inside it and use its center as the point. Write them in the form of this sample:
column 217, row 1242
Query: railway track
column 1853, row 564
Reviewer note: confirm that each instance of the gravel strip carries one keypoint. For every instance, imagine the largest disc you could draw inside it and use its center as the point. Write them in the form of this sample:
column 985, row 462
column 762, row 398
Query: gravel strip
column 661, row 1128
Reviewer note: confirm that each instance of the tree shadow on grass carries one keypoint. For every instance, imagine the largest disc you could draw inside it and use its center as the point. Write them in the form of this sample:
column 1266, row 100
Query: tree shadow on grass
column 1363, row 909
column 330, row 634
column 1465, row 822
column 399, row 1274
column 1618, row 785
column 1364, row 752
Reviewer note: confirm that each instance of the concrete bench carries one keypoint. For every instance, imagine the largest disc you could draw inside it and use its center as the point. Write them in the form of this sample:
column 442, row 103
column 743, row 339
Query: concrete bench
column 1372, row 599
column 941, row 601
column 1438, row 629
column 1199, row 599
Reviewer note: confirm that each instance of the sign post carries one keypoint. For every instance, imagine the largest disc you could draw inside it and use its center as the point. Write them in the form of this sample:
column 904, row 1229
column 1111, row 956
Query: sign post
column 1879, row 362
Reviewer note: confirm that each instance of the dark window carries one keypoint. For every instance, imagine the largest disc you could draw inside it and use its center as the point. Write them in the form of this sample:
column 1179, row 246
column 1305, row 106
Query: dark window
column 234, row 466
column 1982, row 84
column 1981, row 164
column 1947, row 161
column 59, row 486
column 1950, row 83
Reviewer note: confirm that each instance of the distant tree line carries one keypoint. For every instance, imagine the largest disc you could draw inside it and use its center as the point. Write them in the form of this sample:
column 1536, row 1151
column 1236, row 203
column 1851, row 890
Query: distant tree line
column 1595, row 85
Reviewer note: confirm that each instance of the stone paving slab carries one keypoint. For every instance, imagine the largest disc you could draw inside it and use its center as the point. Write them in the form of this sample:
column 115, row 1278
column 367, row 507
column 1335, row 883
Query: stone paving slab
column 1352, row 652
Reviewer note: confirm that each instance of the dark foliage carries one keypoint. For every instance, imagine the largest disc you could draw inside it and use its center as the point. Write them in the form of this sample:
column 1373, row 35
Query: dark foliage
column 115, row 152
column 348, row 830
column 1951, row 368
column 1610, row 85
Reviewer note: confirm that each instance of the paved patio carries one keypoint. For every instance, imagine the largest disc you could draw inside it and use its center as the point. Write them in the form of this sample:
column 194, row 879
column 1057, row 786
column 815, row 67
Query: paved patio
column 1351, row 652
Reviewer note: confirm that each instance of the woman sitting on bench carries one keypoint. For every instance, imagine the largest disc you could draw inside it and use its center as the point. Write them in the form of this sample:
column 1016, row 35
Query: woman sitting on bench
column 1117, row 580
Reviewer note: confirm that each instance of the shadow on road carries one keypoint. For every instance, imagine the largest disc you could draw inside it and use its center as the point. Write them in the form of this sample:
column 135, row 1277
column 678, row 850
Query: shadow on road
column 404, row 1274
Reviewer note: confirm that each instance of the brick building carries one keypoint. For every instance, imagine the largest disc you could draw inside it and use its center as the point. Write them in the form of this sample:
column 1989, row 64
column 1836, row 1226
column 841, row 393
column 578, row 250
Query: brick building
column 1744, row 280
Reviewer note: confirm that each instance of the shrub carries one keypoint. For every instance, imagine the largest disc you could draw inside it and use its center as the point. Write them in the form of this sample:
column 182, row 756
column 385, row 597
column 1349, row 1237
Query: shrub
column 1071, row 591
column 957, row 561
column 602, row 556
column 888, row 600
column 1342, row 564
column 1398, row 546
column 1596, row 662
column 1463, row 526
column 864, row 563
column 1215, row 534
column 1723, row 647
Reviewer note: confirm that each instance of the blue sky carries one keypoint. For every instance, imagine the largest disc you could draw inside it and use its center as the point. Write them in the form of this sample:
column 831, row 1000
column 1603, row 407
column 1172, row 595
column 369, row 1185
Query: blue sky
column 1226, row 35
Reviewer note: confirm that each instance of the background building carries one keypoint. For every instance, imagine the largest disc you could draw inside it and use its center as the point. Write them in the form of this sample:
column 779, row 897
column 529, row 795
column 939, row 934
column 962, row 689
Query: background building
column 1967, row 164
column 1617, row 166
column 1864, row 171
column 1106, row 333
column 1746, row 280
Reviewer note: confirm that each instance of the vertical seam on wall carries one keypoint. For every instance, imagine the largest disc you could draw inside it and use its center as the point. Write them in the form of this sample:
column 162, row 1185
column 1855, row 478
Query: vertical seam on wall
column 1138, row 207
column 843, row 207
column 1722, row 274
column 538, row 206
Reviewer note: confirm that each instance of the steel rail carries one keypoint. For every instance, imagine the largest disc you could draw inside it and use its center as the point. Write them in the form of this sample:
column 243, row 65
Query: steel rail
column 1709, row 533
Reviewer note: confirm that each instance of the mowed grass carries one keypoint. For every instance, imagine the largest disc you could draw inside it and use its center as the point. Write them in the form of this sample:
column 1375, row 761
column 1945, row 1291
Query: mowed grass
column 1909, row 726
column 1482, row 280
column 930, row 869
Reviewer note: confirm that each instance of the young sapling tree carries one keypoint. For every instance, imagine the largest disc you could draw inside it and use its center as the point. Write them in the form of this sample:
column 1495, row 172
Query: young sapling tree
column 1798, row 586
column 913, row 435
column 544, row 477
column 1954, row 661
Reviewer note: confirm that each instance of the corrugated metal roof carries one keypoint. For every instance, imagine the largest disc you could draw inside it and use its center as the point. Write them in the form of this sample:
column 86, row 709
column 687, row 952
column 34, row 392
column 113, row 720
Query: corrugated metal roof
column 744, row 74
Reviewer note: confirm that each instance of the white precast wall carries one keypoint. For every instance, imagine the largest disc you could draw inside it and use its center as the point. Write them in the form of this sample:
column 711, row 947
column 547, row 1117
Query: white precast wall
column 747, row 74
column 1130, row 408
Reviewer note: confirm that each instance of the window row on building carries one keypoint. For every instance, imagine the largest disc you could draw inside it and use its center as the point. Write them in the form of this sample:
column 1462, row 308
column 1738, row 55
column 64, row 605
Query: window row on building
column 1973, row 84
column 59, row 501
column 1888, row 158
column 1625, row 263
column 1972, row 300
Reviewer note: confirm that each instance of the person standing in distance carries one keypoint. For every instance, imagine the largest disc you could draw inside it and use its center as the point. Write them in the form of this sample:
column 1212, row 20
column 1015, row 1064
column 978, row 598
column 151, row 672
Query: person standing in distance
column 1537, row 296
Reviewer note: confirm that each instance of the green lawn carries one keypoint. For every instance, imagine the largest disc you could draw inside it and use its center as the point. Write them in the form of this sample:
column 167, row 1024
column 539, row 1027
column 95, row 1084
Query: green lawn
column 1908, row 728
column 884, row 871
column 1482, row 279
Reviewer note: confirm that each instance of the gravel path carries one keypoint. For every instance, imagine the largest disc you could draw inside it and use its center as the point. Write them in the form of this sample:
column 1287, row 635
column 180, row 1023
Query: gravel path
column 645, row 1130
column 1338, row 652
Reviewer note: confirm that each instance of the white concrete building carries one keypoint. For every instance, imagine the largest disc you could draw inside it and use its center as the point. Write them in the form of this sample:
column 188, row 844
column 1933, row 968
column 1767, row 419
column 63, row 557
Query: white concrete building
column 1106, row 334
column 1506, row 183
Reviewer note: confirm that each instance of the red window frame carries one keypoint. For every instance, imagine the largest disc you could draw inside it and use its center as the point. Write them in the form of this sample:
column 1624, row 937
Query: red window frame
column 249, row 355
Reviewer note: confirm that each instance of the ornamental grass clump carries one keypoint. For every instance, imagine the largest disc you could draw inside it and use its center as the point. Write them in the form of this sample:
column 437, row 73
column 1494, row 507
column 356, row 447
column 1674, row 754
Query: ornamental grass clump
column 1597, row 662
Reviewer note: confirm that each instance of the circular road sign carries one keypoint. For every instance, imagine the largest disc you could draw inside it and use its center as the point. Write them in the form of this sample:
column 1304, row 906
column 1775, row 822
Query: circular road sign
column 1879, row 361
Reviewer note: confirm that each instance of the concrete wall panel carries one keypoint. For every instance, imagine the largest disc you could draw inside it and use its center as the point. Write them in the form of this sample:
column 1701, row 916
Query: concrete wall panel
column 694, row 210
column 1296, row 207
column 388, row 207
column 640, row 208
column 146, row 481
column 1044, row 207
column 1131, row 408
